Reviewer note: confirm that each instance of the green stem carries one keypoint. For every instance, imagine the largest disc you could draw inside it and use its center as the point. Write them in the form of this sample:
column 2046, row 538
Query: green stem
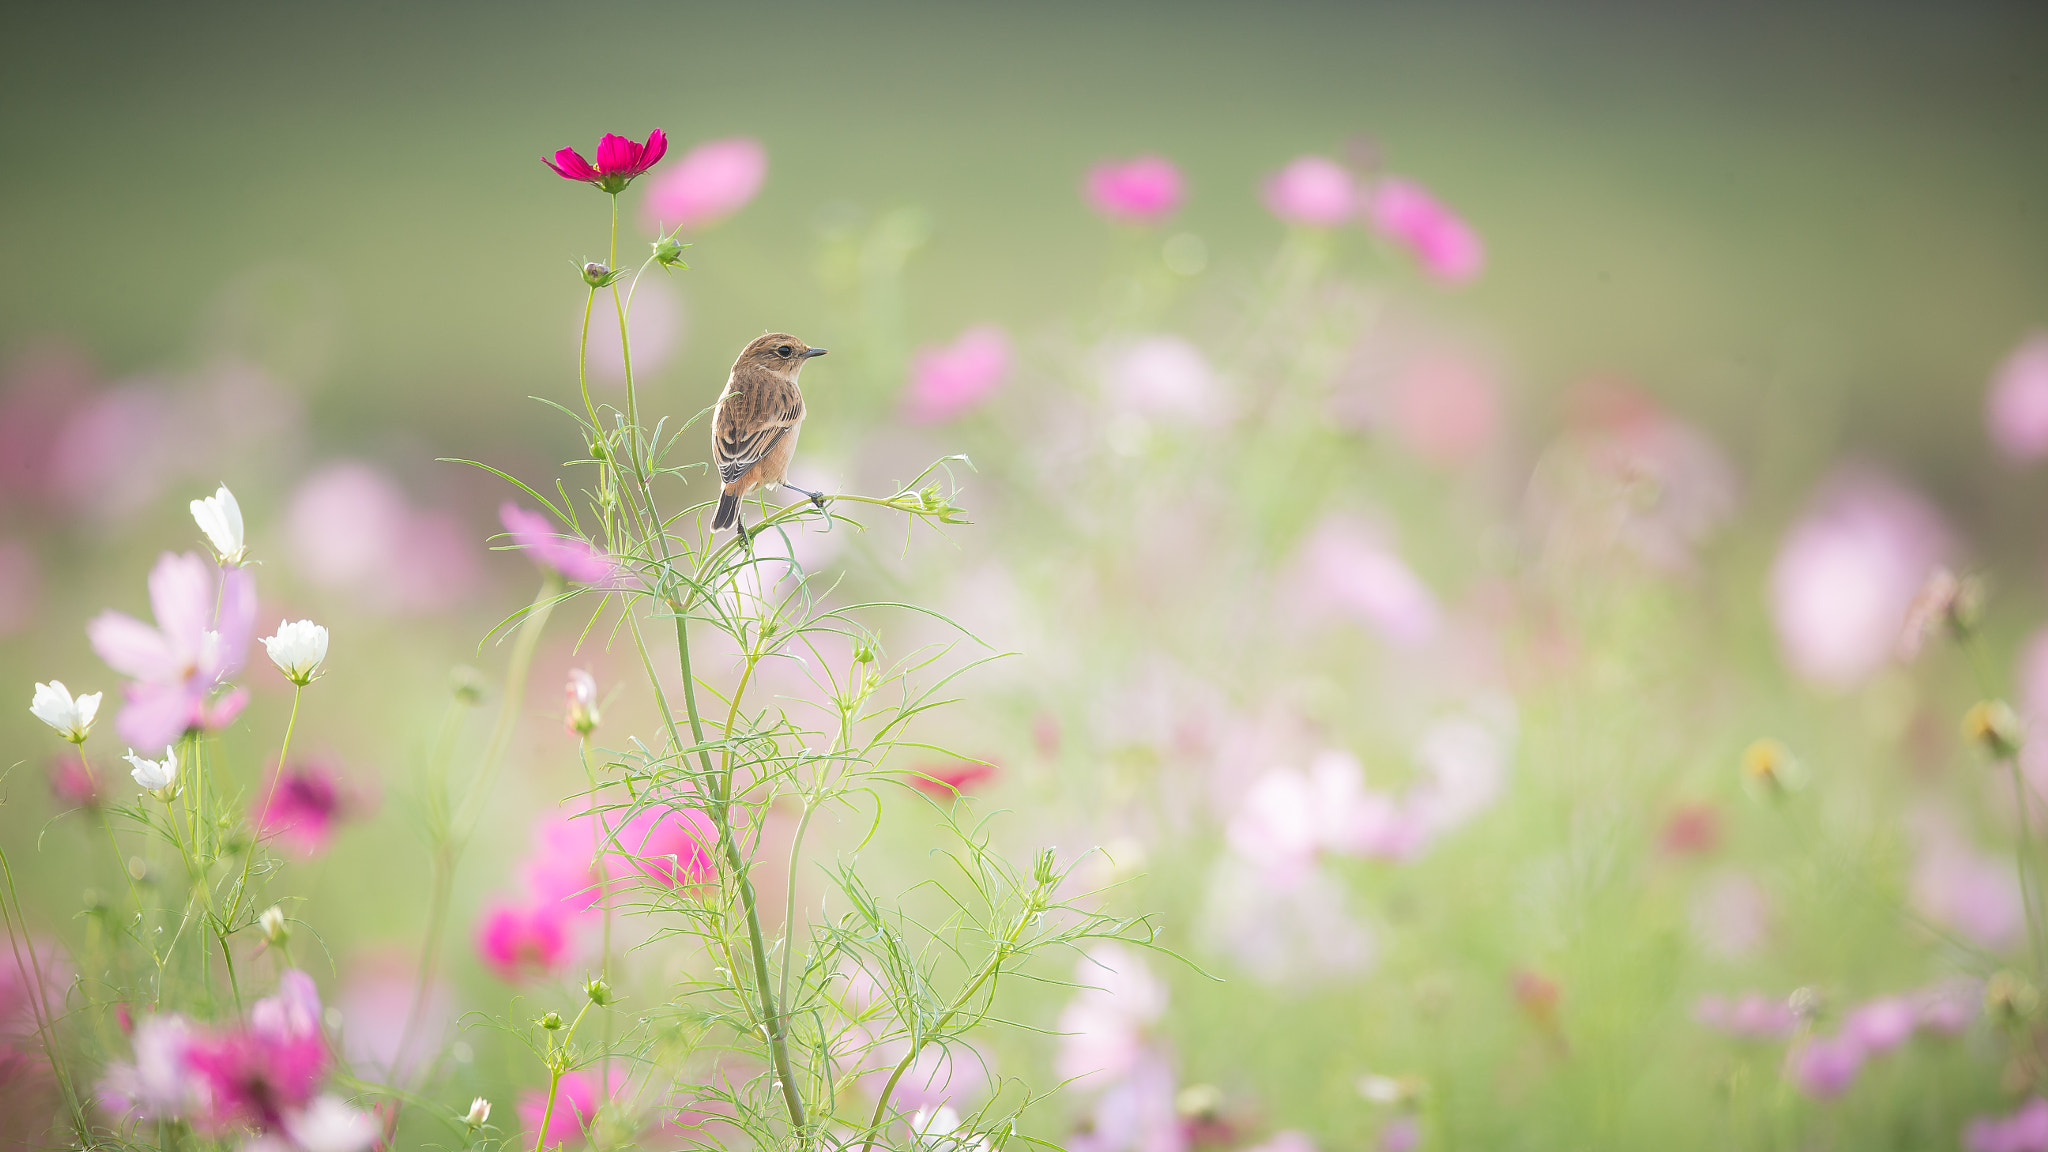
column 32, row 976
column 547, row 1115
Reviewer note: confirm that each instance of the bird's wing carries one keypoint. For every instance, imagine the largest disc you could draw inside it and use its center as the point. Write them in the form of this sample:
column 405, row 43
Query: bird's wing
column 747, row 427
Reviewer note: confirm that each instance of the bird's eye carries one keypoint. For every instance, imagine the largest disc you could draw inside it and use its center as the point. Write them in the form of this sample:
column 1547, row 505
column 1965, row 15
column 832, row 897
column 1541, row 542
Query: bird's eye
column 783, row 351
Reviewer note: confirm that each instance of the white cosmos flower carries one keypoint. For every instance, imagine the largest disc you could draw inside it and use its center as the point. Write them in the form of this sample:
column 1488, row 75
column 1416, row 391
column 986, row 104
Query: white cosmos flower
column 330, row 1124
column 221, row 519
column 158, row 776
column 297, row 649
column 479, row 1113
column 54, row 706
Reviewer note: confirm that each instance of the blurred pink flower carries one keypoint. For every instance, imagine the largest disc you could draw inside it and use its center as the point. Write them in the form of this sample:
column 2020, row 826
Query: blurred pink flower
column 1400, row 1134
column 1286, row 1141
column 1345, row 567
column 522, row 940
column 2016, row 410
column 177, row 664
column 351, row 527
column 1753, row 1016
column 376, row 1004
column 1162, row 378
column 1954, row 884
column 1446, row 247
column 947, row 381
column 947, row 781
column 1445, row 406
column 552, row 550
column 1312, row 190
column 1143, row 190
column 264, row 1073
column 655, row 326
column 34, row 976
column 21, row 586
column 72, row 784
column 1847, row 573
column 559, row 870
column 1136, row 1113
column 43, row 384
column 1825, row 1066
column 1731, row 916
column 1882, row 1024
column 619, row 160
column 1947, row 1008
column 156, row 1085
column 955, row 1073
column 711, row 181
column 2025, row 1130
column 576, row 1105
column 114, row 453
column 1287, row 931
column 301, row 807
column 671, row 846
column 1103, row 1028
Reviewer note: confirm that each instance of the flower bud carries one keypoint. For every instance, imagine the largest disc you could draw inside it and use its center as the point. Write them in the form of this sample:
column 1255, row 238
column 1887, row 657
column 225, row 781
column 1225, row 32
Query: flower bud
column 1992, row 725
column 550, row 1021
column 2009, row 998
column 600, row 993
column 272, row 923
column 1044, row 869
column 863, row 652
column 479, row 1113
column 467, row 684
column 581, row 693
column 668, row 252
column 598, row 276
column 1770, row 771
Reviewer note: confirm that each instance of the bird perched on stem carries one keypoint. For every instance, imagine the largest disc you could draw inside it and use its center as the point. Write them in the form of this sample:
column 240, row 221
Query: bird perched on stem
column 754, row 427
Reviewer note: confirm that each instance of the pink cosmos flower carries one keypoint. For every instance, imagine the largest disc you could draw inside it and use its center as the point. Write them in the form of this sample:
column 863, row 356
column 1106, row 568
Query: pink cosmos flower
column 1103, row 1027
column 265, row 1073
column 523, row 940
column 1313, row 190
column 711, row 181
column 2026, row 1130
column 560, row 871
column 1346, row 568
column 351, row 527
column 1847, row 573
column 177, row 664
column 947, row 781
column 947, row 381
column 671, row 846
column 1825, row 1066
column 576, row 1105
column 1753, row 1016
column 301, row 807
column 1947, row 1008
column 1400, row 1134
column 619, row 160
column 376, row 1004
column 1137, row 1112
column 2016, row 410
column 73, row 785
column 1144, row 190
column 25, row 1077
column 1882, row 1024
column 1447, row 247
column 574, row 557
column 1445, row 405
column 1973, row 892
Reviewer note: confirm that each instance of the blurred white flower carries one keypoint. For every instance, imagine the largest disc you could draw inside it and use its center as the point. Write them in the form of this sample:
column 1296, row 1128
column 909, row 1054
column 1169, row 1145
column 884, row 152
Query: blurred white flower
column 1162, row 378
column 934, row 1128
column 479, row 1113
column 581, row 695
column 297, row 650
column 54, row 705
column 220, row 517
column 272, row 923
column 329, row 1124
column 158, row 776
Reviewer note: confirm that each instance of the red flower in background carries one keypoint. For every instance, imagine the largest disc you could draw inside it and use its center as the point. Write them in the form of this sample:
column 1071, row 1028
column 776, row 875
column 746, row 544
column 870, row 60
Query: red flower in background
column 946, row 781
column 618, row 161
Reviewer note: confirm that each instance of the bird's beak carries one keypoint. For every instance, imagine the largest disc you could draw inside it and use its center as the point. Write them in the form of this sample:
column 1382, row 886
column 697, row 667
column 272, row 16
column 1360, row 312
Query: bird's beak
column 808, row 353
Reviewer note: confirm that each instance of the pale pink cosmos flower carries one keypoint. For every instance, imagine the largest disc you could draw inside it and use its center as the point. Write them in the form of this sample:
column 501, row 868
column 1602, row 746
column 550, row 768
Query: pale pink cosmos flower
column 559, row 870
column 2016, row 410
column 947, row 381
column 155, row 1085
column 1752, row 1016
column 1731, row 916
column 1144, row 190
column 21, row 586
column 1825, row 1066
column 1136, row 1113
column 301, row 807
column 1103, row 1028
column 1312, row 190
column 2025, row 1130
column 553, row 550
column 1163, row 378
column 1285, row 931
column 114, row 454
column 1956, row 885
column 576, row 1104
column 1446, row 247
column 711, row 181
column 350, row 526
column 1882, row 1024
column 1445, row 406
column 1347, row 568
column 376, row 1004
column 1847, row 573
column 1401, row 1133
column 656, row 326
column 177, row 664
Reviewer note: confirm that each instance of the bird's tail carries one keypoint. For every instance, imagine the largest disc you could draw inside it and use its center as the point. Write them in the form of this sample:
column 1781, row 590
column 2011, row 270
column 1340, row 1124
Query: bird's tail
column 728, row 510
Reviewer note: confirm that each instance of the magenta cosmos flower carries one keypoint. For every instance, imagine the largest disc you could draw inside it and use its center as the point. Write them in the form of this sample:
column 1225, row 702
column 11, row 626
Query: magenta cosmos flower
column 177, row 665
column 1313, row 190
column 619, row 160
column 266, row 1074
column 525, row 939
column 301, row 807
column 712, row 181
column 576, row 1105
column 947, row 381
column 947, row 781
column 574, row 557
column 1446, row 247
column 1144, row 190
column 670, row 846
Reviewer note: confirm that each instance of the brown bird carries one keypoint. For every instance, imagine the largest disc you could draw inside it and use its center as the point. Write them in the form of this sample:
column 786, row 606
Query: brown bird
column 754, row 427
